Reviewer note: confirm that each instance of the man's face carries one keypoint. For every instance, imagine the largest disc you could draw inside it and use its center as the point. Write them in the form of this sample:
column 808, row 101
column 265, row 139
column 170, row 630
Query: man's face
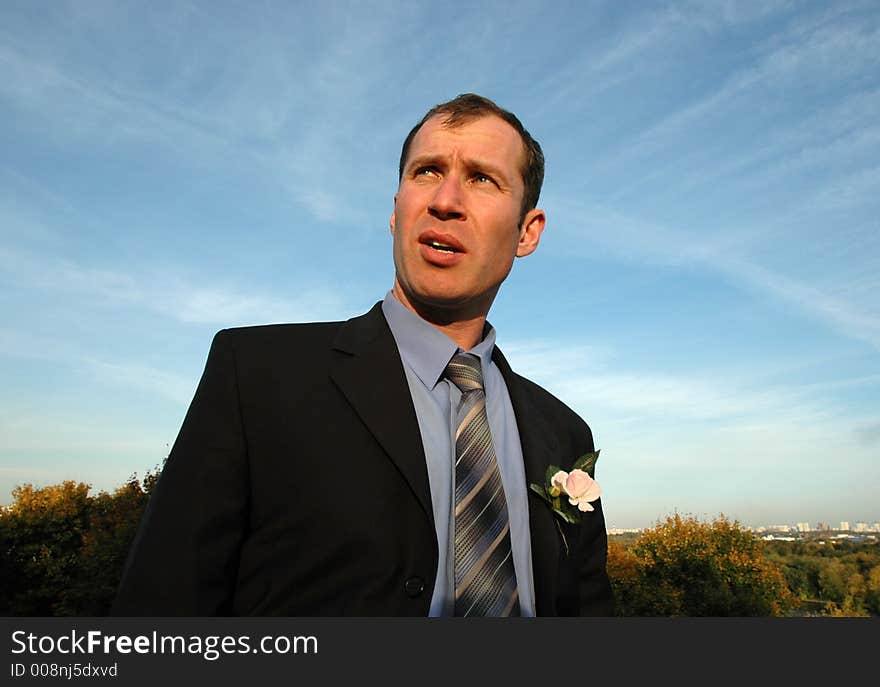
column 456, row 220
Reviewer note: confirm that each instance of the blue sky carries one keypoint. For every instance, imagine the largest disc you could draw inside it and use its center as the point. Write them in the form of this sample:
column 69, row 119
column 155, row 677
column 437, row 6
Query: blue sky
column 705, row 294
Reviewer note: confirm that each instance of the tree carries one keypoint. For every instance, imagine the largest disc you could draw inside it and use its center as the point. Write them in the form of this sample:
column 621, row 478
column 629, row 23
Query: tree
column 62, row 551
column 832, row 582
column 684, row 567
column 112, row 524
column 872, row 595
column 41, row 534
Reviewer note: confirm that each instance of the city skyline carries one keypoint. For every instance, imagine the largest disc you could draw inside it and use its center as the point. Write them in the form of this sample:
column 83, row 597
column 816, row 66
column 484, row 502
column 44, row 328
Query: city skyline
column 799, row 527
column 704, row 295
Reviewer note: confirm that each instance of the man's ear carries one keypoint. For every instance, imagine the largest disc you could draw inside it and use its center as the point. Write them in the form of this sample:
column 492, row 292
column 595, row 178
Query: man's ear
column 391, row 221
column 530, row 232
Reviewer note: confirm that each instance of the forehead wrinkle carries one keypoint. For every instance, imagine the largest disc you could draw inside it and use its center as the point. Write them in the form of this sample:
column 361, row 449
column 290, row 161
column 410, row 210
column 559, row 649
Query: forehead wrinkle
column 455, row 121
column 439, row 123
column 475, row 164
column 471, row 163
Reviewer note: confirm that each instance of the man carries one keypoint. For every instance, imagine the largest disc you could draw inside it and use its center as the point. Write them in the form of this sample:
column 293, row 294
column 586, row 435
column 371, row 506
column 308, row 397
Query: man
column 380, row 466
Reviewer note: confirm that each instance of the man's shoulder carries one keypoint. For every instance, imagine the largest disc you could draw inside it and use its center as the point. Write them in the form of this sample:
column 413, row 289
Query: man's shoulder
column 268, row 337
column 275, row 335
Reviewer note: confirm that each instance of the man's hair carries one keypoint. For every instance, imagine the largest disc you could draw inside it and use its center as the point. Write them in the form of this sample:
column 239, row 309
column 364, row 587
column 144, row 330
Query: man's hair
column 466, row 108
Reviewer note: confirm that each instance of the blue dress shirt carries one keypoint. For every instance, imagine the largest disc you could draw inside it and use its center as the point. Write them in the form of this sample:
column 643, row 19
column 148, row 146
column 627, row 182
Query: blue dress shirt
column 425, row 352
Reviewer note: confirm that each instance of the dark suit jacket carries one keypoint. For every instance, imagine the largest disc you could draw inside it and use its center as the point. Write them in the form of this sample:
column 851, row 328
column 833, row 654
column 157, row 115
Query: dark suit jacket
column 298, row 486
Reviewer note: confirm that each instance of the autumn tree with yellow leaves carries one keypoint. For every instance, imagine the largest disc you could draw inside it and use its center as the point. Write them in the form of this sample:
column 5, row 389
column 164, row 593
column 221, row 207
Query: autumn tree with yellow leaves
column 62, row 550
column 685, row 567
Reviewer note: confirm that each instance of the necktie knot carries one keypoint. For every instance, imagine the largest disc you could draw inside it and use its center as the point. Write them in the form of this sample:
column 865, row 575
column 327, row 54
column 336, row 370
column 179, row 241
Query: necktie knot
column 465, row 372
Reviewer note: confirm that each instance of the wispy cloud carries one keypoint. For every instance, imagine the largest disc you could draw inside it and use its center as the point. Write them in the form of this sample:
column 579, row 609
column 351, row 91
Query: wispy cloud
column 276, row 134
column 168, row 293
column 869, row 435
column 60, row 351
column 189, row 303
column 814, row 55
column 716, row 441
column 593, row 384
column 631, row 239
column 19, row 344
column 814, row 145
column 29, row 429
column 547, row 359
column 174, row 387
column 22, row 474
column 841, row 315
column 649, row 39
column 44, row 447
column 83, row 110
column 713, row 422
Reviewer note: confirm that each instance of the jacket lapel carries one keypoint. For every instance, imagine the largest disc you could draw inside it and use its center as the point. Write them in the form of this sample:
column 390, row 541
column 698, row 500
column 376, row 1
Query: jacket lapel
column 372, row 379
column 540, row 449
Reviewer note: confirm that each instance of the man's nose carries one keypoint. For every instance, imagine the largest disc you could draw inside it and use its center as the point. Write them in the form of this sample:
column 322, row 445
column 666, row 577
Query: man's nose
column 447, row 201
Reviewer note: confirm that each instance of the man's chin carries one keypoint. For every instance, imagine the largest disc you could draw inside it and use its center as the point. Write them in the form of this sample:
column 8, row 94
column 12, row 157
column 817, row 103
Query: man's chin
column 446, row 308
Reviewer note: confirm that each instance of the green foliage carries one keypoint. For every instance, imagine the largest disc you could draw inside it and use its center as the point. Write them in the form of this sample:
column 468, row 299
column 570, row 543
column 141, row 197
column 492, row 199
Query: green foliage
column 62, row 551
column 825, row 577
column 832, row 582
column 829, row 577
column 872, row 592
column 684, row 567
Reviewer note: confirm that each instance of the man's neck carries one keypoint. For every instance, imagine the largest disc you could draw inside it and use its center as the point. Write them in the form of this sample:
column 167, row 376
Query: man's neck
column 464, row 328
column 466, row 334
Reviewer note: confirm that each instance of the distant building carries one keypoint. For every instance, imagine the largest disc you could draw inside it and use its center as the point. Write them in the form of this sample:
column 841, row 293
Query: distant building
column 865, row 527
column 803, row 527
column 844, row 525
column 854, row 538
column 823, row 527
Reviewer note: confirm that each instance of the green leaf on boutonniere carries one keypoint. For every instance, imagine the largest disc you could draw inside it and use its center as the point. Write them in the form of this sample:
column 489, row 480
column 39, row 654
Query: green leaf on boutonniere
column 587, row 463
column 540, row 491
column 548, row 475
column 558, row 504
column 568, row 513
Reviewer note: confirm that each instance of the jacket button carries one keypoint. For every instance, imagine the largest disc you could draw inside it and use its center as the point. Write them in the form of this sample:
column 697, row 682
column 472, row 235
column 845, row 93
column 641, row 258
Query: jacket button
column 414, row 586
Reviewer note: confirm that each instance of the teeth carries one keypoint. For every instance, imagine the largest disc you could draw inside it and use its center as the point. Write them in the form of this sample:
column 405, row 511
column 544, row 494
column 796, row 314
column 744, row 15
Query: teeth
column 439, row 246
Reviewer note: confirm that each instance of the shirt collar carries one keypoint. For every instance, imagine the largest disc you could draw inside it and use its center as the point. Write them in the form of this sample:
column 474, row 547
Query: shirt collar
column 425, row 348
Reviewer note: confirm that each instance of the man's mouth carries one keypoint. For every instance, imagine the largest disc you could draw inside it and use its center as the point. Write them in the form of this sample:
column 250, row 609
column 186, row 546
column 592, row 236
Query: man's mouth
column 441, row 242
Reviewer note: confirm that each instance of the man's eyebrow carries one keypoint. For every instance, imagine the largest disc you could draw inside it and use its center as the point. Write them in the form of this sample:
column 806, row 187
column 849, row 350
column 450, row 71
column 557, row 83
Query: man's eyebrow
column 479, row 165
column 424, row 160
column 473, row 164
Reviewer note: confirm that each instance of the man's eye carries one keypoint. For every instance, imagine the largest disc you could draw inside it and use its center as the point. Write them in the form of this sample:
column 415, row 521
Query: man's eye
column 483, row 178
column 424, row 171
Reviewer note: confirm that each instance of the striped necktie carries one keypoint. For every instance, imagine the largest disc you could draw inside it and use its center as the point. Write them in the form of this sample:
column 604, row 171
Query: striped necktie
column 485, row 581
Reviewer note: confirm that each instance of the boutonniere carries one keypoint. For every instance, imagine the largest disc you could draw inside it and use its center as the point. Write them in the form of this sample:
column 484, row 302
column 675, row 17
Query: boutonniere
column 569, row 493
